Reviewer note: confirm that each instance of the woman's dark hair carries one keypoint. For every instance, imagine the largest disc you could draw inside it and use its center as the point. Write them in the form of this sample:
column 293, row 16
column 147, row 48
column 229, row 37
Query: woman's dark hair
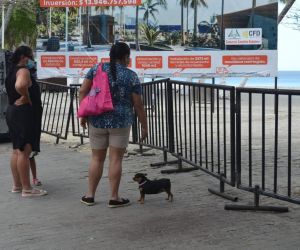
column 117, row 52
column 19, row 52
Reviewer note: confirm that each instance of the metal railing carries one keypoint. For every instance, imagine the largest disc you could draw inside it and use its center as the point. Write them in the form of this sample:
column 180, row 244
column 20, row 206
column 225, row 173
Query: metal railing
column 244, row 137
column 195, row 123
column 155, row 98
column 268, row 137
column 57, row 109
column 203, row 121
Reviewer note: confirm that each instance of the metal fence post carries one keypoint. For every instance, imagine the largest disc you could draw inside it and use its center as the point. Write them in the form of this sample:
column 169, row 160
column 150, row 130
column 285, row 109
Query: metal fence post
column 232, row 136
column 170, row 124
column 72, row 93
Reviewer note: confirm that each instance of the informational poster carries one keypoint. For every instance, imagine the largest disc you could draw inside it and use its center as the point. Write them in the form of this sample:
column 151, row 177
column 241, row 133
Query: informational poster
column 84, row 3
column 166, row 38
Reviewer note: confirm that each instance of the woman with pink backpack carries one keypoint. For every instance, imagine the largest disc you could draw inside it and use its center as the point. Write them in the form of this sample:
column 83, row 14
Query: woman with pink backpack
column 111, row 129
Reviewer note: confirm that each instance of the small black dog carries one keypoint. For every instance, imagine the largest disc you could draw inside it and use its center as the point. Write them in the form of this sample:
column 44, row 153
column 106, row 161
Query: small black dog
column 147, row 186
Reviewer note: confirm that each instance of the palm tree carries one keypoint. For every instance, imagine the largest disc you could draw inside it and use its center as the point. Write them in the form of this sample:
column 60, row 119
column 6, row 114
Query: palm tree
column 184, row 4
column 7, row 18
column 102, row 9
column 195, row 4
column 21, row 25
column 150, row 9
column 163, row 3
column 151, row 33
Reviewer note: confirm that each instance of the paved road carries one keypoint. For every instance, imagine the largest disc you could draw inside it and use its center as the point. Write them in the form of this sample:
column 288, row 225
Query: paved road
column 195, row 220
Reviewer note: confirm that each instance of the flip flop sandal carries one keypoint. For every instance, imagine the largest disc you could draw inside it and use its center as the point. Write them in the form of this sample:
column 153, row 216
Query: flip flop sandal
column 16, row 189
column 33, row 192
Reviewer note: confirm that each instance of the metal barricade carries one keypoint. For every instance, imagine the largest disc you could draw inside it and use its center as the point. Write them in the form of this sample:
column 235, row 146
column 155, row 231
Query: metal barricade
column 57, row 109
column 244, row 137
column 155, row 102
column 195, row 123
column 267, row 144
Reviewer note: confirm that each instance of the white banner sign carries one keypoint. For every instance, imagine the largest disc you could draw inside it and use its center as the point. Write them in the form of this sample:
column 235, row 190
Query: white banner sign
column 252, row 36
column 256, row 63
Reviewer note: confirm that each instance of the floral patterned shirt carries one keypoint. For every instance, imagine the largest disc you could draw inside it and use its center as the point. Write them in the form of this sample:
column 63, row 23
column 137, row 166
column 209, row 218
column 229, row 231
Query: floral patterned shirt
column 127, row 83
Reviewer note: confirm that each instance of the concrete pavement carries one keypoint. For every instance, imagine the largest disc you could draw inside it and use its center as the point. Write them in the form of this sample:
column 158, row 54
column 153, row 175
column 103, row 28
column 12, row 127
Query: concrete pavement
column 195, row 220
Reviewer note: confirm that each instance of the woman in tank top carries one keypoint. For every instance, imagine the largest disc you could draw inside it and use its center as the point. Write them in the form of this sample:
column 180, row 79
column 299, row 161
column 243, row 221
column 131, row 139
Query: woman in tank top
column 20, row 119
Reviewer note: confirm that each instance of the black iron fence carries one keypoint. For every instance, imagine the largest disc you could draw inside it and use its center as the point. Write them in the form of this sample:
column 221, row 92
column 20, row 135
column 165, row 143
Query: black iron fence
column 242, row 136
column 57, row 109
column 268, row 138
column 155, row 98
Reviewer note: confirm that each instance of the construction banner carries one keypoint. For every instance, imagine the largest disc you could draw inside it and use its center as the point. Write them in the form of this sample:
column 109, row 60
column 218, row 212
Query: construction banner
column 215, row 38
column 167, row 64
column 84, row 3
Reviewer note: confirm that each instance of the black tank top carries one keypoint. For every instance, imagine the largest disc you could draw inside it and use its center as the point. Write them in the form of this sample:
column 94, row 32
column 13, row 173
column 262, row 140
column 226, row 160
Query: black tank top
column 13, row 95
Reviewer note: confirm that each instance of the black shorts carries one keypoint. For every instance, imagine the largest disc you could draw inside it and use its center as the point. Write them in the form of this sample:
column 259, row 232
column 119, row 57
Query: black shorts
column 20, row 121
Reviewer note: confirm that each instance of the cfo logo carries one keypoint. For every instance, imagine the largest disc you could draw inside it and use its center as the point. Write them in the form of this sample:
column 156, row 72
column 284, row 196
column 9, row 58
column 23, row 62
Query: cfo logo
column 234, row 34
column 251, row 33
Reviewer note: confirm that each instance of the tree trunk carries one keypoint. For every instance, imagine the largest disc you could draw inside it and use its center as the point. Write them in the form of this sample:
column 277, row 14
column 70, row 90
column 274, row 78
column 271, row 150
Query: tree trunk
column 187, row 18
column 285, row 10
column 137, row 45
column 182, row 29
column 89, row 44
column 195, row 22
column 121, row 21
column 8, row 15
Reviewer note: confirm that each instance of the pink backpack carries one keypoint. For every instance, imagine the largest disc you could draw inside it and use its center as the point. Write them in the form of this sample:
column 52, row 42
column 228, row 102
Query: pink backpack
column 99, row 98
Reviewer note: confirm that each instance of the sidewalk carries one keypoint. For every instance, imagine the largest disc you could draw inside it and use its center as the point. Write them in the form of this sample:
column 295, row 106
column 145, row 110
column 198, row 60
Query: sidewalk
column 195, row 220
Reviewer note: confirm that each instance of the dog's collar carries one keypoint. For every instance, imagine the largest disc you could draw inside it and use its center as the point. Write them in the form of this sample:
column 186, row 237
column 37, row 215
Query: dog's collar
column 141, row 184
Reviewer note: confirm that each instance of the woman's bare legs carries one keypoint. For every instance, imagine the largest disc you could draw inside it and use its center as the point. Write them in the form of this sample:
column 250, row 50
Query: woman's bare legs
column 33, row 167
column 17, row 185
column 23, row 166
column 115, row 170
column 95, row 170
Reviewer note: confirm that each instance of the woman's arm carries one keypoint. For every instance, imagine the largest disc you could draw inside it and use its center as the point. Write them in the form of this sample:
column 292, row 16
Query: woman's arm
column 83, row 91
column 140, row 111
column 23, row 82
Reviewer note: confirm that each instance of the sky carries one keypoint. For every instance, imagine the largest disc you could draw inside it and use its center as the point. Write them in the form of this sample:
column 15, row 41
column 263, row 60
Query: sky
column 287, row 37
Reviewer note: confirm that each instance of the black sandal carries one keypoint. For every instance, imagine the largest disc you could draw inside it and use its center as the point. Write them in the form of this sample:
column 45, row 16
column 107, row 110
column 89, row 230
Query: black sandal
column 116, row 203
